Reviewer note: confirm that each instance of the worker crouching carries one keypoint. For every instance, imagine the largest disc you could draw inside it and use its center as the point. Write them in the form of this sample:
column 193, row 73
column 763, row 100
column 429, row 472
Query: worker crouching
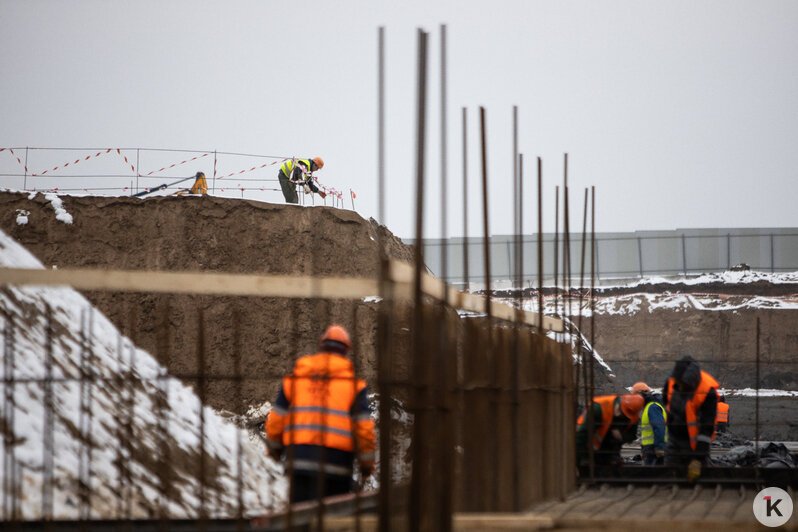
column 322, row 421
column 615, row 423
column 691, row 403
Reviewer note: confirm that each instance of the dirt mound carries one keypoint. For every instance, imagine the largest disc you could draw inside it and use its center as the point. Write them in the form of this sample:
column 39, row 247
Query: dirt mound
column 258, row 337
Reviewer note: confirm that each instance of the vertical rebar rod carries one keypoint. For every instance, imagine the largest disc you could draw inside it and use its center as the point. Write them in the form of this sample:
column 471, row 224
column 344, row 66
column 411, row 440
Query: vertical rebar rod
column 383, row 325
column 556, row 246
column 120, row 437
column 47, row 433
column 242, row 406
column 516, row 199
column 9, row 462
column 488, row 311
column 445, row 441
column 416, row 484
column 568, row 287
column 465, row 199
column 444, row 254
column 163, row 347
column 355, row 335
column 519, row 273
column 592, row 391
column 756, row 409
column 84, row 425
column 130, row 402
column 214, row 171
column 582, row 351
column 201, row 393
column 540, row 245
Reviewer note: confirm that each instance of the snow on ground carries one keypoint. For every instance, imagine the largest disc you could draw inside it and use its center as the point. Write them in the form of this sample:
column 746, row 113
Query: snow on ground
column 61, row 213
column 116, row 454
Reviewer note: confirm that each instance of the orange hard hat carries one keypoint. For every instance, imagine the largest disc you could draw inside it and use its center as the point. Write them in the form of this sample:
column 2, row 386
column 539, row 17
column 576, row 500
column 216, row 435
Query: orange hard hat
column 631, row 405
column 640, row 387
column 319, row 162
column 336, row 333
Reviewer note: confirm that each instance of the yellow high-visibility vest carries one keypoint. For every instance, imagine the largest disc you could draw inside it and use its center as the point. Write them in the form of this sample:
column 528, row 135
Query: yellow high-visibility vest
column 288, row 166
column 646, row 430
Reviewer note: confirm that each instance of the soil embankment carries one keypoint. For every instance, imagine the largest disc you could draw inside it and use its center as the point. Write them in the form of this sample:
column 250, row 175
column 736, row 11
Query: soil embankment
column 258, row 337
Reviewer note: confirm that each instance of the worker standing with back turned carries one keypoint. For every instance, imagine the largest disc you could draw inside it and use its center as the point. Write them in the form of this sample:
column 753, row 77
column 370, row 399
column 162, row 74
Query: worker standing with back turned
column 690, row 401
column 322, row 421
column 299, row 172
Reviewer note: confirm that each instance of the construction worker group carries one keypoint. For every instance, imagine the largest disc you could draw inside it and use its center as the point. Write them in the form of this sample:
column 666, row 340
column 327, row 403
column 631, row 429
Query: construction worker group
column 676, row 426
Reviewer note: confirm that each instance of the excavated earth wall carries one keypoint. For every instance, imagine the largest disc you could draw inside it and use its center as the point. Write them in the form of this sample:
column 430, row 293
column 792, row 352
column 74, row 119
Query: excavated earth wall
column 220, row 235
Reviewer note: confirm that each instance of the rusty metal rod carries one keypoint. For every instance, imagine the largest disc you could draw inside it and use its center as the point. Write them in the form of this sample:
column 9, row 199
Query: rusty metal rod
column 47, row 433
column 592, row 391
column 465, row 200
column 416, row 483
column 540, row 244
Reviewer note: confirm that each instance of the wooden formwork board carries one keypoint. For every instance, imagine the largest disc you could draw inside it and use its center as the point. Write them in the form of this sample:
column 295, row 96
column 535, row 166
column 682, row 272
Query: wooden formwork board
column 210, row 283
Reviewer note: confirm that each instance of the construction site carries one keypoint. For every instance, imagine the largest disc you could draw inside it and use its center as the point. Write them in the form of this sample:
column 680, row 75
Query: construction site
column 147, row 335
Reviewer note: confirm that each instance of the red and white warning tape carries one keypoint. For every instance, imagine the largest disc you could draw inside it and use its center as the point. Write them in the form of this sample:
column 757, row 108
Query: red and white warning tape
column 176, row 164
column 254, row 168
column 17, row 158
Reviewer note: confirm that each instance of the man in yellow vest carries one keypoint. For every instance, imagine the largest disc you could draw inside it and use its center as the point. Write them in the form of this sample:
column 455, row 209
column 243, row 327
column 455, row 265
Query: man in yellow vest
column 690, row 400
column 653, row 433
column 299, row 172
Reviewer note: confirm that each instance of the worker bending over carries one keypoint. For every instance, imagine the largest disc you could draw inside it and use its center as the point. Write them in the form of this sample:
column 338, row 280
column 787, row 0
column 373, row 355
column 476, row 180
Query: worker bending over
column 322, row 421
column 653, row 432
column 615, row 423
column 690, row 401
column 299, row 172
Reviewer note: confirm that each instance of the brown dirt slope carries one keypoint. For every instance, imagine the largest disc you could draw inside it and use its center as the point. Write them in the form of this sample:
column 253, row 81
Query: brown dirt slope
column 222, row 235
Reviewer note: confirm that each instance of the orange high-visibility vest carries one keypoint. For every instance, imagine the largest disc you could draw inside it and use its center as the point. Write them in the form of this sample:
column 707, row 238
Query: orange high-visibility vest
column 321, row 391
column 602, row 427
column 692, row 406
column 723, row 413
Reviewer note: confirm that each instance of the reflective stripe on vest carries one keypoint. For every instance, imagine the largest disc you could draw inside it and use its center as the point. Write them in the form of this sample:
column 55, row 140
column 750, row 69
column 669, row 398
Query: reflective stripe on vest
column 646, row 430
column 723, row 413
column 321, row 392
column 691, row 407
column 288, row 167
column 601, row 426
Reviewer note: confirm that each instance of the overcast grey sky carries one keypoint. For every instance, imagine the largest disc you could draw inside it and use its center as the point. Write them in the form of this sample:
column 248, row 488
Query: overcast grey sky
column 681, row 113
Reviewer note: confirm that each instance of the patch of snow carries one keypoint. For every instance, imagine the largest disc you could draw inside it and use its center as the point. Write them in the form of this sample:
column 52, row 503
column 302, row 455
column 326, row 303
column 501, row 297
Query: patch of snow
column 58, row 206
column 372, row 299
column 32, row 195
column 763, row 392
column 115, row 471
column 22, row 217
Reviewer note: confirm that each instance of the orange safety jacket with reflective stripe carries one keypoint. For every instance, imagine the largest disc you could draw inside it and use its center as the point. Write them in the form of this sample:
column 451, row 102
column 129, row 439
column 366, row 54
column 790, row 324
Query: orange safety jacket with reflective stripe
column 321, row 392
column 691, row 407
column 602, row 426
column 723, row 413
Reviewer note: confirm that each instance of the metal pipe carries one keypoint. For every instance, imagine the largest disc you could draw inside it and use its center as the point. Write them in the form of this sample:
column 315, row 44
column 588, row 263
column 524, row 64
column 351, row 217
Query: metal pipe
column 47, row 432
column 556, row 246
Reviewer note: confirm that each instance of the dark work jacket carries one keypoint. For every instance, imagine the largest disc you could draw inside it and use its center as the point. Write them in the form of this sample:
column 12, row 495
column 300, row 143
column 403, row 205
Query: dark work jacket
column 677, row 417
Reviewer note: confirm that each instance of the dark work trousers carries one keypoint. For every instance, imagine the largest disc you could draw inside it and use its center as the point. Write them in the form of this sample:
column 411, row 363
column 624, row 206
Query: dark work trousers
column 678, row 452
column 649, row 456
column 306, row 486
column 289, row 188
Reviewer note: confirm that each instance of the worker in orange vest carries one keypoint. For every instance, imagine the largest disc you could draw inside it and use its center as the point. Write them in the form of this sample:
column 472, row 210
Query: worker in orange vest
column 691, row 401
column 614, row 423
column 722, row 418
column 321, row 421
